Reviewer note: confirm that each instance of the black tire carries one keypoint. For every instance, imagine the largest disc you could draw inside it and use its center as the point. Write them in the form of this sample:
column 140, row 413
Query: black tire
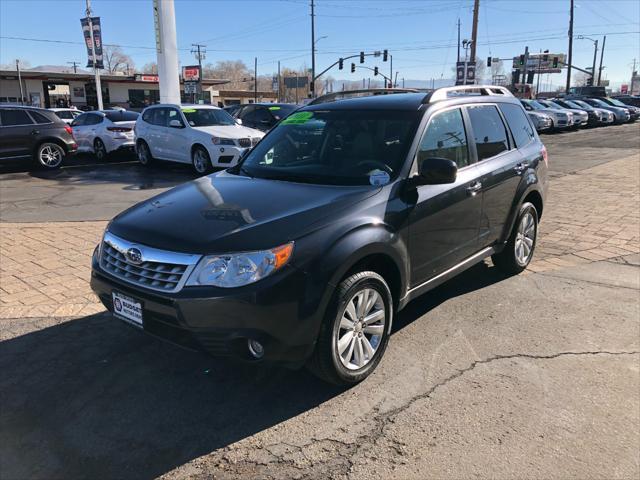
column 201, row 165
column 49, row 155
column 509, row 260
column 100, row 150
column 326, row 361
column 143, row 152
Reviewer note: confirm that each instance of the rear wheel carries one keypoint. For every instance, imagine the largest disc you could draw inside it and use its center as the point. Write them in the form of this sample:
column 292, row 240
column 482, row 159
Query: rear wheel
column 518, row 251
column 144, row 154
column 50, row 155
column 201, row 161
column 99, row 149
column 355, row 333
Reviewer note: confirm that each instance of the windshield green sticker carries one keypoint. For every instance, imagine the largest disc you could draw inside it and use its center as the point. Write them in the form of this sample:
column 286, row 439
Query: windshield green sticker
column 189, row 110
column 298, row 118
column 274, row 108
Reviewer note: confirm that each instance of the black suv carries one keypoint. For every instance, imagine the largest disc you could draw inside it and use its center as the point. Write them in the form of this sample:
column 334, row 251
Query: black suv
column 263, row 116
column 36, row 135
column 306, row 250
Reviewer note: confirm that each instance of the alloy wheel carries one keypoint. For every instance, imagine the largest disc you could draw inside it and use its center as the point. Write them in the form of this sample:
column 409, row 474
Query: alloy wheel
column 200, row 161
column 143, row 154
column 99, row 149
column 51, row 155
column 525, row 238
column 361, row 329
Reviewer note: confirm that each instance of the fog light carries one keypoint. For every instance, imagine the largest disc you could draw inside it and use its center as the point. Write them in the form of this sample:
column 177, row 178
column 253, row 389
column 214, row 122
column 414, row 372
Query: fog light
column 255, row 348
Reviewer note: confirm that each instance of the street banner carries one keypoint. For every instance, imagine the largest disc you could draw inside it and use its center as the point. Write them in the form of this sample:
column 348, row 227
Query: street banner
column 471, row 73
column 460, row 73
column 97, row 41
column 191, row 73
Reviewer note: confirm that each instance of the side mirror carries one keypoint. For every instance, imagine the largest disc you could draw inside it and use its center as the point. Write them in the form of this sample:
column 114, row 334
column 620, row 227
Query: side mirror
column 238, row 121
column 436, row 171
column 176, row 124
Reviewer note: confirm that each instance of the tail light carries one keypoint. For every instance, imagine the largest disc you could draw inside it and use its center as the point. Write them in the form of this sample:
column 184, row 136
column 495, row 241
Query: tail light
column 119, row 129
column 545, row 156
column 69, row 130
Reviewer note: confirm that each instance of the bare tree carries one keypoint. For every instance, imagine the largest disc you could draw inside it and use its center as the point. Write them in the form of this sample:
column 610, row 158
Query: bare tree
column 150, row 68
column 236, row 71
column 115, row 60
column 12, row 64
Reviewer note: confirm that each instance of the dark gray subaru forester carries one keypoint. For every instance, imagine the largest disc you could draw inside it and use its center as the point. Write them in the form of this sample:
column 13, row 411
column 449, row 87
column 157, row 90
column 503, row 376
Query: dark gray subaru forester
column 304, row 252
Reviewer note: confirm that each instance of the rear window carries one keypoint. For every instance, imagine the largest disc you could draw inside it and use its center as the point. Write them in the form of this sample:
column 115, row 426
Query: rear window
column 519, row 124
column 39, row 117
column 64, row 114
column 488, row 131
column 11, row 117
column 121, row 116
column 282, row 111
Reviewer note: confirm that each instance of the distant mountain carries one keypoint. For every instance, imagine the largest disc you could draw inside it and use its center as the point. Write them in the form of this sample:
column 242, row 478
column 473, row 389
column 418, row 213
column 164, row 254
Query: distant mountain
column 56, row 69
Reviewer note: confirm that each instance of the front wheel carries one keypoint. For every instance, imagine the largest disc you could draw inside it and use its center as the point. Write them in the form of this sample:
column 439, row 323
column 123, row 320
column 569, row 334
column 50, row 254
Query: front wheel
column 50, row 155
column 144, row 154
column 355, row 334
column 201, row 161
column 518, row 251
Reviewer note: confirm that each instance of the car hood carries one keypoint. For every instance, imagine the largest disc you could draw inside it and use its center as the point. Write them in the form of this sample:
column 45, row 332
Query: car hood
column 555, row 111
column 225, row 212
column 230, row 131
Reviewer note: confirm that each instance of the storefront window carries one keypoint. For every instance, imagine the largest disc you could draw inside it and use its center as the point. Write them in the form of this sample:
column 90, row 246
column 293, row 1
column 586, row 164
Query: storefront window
column 143, row 98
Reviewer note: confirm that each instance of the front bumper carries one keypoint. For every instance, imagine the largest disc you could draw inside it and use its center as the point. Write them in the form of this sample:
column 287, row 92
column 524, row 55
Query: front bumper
column 225, row 155
column 220, row 321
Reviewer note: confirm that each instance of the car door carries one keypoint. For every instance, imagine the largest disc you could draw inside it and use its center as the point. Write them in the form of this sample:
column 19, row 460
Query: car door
column 158, row 134
column 177, row 141
column 80, row 130
column 18, row 133
column 500, row 163
column 92, row 128
column 248, row 116
column 444, row 223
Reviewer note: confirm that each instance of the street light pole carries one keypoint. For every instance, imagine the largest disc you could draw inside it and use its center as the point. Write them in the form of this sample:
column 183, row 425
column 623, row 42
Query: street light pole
column 604, row 40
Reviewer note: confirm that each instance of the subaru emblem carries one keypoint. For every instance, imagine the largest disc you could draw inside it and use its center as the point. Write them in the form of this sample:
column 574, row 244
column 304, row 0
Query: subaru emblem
column 134, row 256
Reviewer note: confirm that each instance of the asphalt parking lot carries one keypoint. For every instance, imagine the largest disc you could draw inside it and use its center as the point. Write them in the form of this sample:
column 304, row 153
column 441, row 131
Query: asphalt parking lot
column 532, row 376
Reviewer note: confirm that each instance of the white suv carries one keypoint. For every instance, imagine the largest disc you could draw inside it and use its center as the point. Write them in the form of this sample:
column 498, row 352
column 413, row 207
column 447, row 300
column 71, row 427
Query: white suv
column 202, row 135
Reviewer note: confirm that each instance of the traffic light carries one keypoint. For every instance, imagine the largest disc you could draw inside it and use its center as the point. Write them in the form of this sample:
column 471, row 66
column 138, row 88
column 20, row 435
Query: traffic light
column 545, row 57
column 515, row 77
column 555, row 62
column 529, row 76
column 375, row 70
column 521, row 61
column 385, row 54
column 361, row 57
column 340, row 64
column 488, row 61
column 353, row 68
column 589, row 81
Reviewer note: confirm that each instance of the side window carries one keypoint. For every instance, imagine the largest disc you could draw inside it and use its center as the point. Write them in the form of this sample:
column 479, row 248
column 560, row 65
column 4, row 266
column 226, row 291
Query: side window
column 12, row 118
column 519, row 124
column 147, row 116
column 39, row 117
column 488, row 131
column 174, row 115
column 93, row 119
column 248, row 114
column 445, row 137
column 79, row 120
column 160, row 117
column 262, row 115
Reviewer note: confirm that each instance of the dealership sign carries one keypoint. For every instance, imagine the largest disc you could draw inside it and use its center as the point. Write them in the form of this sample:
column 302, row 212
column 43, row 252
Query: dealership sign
column 191, row 73
column 88, row 23
column 541, row 63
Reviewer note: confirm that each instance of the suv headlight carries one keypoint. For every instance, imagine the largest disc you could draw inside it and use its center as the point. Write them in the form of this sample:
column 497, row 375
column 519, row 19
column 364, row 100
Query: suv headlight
column 222, row 141
column 239, row 269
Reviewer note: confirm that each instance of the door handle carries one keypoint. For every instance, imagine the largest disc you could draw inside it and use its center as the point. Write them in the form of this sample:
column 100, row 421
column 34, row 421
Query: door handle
column 35, row 132
column 474, row 188
column 521, row 167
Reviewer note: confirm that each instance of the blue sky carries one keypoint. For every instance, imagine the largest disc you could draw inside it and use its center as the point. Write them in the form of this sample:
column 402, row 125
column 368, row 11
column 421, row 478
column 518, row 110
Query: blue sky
column 421, row 34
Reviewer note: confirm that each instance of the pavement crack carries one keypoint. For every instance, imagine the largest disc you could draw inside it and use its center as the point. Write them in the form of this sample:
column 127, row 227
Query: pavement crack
column 590, row 282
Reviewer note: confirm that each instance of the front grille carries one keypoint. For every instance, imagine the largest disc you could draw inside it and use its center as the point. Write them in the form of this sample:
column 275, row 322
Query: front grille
column 244, row 142
column 158, row 270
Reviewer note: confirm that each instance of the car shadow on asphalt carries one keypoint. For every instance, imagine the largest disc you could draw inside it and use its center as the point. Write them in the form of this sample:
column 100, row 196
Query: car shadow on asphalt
column 93, row 398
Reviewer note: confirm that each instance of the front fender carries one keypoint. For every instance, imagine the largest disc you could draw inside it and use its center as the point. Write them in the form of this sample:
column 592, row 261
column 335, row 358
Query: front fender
column 530, row 183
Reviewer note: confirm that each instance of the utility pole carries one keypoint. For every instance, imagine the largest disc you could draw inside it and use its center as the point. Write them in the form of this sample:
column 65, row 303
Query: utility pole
column 395, row 81
column 538, row 75
column 278, row 80
column 604, row 40
column 255, row 78
column 93, row 54
column 20, row 82
column 593, row 69
column 403, row 83
column 75, row 66
column 200, row 53
column 474, row 30
column 458, row 40
column 313, row 49
column 167, row 50
column 391, row 68
column 569, row 59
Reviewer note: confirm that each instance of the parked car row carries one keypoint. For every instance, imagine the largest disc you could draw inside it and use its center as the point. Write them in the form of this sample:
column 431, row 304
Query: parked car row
column 576, row 111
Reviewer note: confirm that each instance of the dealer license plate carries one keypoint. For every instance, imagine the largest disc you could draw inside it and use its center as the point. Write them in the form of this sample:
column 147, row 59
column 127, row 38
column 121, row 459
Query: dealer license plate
column 127, row 309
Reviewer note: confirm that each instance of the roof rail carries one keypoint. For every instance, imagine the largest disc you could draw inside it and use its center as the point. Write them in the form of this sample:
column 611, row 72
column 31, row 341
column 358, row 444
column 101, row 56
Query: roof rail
column 332, row 97
column 443, row 93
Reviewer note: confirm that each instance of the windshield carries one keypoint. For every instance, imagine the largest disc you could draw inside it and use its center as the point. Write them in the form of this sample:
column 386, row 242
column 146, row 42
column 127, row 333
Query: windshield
column 600, row 103
column 336, row 147
column 206, row 117
column 617, row 102
column 577, row 105
column 555, row 105
column 582, row 104
column 536, row 105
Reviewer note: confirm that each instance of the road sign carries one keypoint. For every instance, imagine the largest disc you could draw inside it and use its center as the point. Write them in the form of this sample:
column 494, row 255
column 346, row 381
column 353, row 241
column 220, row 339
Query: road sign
column 191, row 73
column 538, row 64
column 190, row 87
